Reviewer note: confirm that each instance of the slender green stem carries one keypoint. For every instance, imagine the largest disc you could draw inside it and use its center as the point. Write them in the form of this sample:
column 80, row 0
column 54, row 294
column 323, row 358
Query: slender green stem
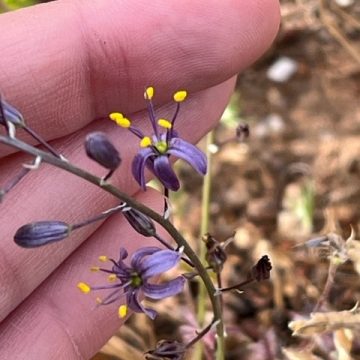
column 204, row 228
column 172, row 231
column 200, row 335
column 328, row 285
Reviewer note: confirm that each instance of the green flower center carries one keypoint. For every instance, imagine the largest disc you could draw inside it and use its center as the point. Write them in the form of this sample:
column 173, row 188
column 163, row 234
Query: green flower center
column 136, row 280
column 161, row 146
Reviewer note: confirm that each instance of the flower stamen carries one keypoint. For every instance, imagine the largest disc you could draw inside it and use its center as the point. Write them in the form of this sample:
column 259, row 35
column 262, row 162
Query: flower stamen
column 120, row 120
column 165, row 123
column 149, row 93
column 112, row 278
column 180, row 96
column 122, row 311
column 83, row 287
column 145, row 142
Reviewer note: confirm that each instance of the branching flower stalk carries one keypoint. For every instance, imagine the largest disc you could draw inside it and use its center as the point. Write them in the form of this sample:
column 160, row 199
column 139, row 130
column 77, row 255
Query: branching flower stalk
column 172, row 231
column 132, row 276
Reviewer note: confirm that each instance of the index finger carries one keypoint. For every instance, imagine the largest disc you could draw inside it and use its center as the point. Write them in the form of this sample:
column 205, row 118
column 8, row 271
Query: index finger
column 66, row 63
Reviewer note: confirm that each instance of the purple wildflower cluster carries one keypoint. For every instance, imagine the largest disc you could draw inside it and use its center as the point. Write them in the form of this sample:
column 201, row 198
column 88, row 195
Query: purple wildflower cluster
column 131, row 280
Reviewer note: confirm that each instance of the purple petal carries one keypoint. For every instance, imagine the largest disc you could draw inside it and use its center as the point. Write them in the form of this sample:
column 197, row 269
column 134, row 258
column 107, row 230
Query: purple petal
column 138, row 255
column 123, row 254
column 160, row 291
column 138, row 165
column 158, row 263
column 135, row 305
column 190, row 153
column 165, row 173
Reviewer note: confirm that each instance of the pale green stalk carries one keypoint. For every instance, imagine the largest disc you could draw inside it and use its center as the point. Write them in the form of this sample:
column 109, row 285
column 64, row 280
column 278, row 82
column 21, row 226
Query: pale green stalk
column 204, row 228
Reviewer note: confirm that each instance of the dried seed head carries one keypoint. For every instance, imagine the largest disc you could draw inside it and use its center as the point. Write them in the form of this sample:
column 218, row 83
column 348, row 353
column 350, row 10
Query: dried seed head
column 140, row 222
column 242, row 132
column 41, row 233
column 215, row 255
column 99, row 148
column 261, row 271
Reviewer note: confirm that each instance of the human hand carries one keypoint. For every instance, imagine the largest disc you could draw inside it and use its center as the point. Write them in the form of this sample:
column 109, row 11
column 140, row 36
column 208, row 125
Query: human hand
column 66, row 65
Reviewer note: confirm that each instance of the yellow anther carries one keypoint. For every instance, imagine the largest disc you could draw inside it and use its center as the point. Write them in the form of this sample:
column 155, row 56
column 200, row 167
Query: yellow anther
column 103, row 258
column 116, row 116
column 164, row 123
column 145, row 142
column 149, row 93
column 98, row 300
column 122, row 312
column 94, row 268
column 180, row 96
column 123, row 122
column 83, row 287
column 112, row 277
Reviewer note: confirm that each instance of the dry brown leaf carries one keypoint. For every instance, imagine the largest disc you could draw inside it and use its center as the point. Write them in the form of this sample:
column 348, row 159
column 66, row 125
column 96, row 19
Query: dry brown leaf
column 293, row 354
column 343, row 339
column 353, row 250
column 326, row 322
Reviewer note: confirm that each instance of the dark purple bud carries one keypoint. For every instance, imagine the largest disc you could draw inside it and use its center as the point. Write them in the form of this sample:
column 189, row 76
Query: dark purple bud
column 41, row 233
column 215, row 255
column 10, row 114
column 167, row 349
column 242, row 132
column 140, row 222
column 261, row 271
column 99, row 148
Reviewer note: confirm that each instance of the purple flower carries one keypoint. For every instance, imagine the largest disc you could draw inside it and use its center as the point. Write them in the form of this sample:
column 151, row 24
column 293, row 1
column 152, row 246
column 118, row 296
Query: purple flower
column 133, row 281
column 156, row 149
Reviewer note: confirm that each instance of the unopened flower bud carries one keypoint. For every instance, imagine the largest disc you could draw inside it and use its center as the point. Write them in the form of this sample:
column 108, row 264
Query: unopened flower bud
column 261, row 271
column 99, row 148
column 10, row 114
column 140, row 222
column 242, row 132
column 215, row 255
column 167, row 349
column 41, row 233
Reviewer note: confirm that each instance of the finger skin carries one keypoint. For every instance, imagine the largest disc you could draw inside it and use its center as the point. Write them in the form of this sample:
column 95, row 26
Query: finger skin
column 51, row 194
column 67, row 63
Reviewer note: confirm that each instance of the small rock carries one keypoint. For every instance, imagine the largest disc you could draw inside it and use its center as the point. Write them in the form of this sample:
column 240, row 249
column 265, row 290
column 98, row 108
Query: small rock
column 282, row 69
column 344, row 3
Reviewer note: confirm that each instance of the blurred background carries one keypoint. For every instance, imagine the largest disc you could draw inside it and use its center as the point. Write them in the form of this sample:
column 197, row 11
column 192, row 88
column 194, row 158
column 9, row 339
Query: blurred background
column 297, row 176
